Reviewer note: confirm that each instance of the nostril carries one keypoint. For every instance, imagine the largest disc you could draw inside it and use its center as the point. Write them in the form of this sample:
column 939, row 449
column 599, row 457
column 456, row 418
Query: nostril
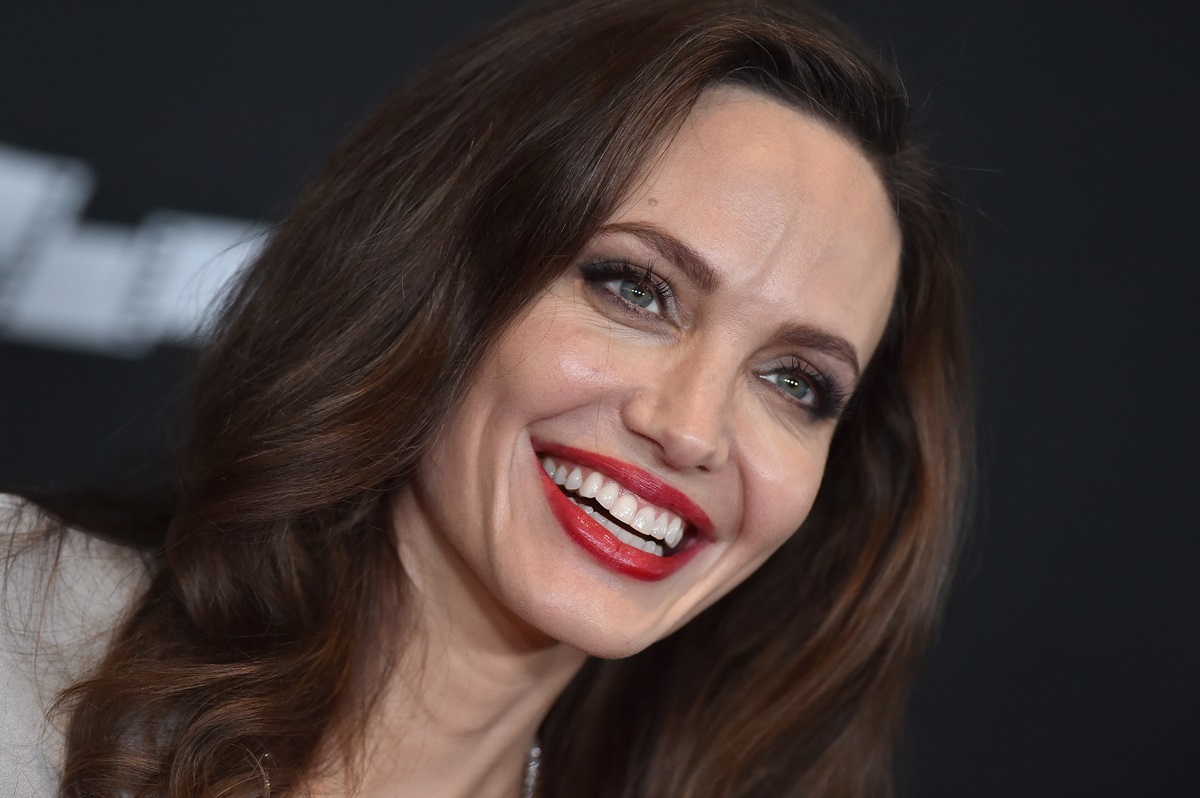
column 688, row 427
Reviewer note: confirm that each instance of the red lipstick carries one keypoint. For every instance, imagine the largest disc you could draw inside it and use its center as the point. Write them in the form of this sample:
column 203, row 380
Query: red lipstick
column 598, row 541
column 643, row 483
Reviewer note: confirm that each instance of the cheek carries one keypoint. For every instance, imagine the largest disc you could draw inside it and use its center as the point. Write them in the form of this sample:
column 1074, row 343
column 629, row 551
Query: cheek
column 780, row 491
column 555, row 361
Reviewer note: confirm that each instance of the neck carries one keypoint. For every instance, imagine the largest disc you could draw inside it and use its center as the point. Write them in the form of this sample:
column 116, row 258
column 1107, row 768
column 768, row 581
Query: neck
column 474, row 683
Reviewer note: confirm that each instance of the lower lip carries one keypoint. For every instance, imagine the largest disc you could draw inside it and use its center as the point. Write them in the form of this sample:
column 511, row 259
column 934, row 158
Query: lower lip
column 600, row 543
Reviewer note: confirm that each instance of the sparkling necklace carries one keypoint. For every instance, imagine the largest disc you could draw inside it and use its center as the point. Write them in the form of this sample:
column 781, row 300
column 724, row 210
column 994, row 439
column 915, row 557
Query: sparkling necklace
column 531, row 769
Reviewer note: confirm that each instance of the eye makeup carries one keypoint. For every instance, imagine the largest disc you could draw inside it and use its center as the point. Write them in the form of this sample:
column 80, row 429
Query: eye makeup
column 814, row 391
column 642, row 285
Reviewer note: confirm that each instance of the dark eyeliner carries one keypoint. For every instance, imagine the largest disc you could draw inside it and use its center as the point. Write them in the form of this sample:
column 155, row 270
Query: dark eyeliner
column 830, row 395
column 602, row 271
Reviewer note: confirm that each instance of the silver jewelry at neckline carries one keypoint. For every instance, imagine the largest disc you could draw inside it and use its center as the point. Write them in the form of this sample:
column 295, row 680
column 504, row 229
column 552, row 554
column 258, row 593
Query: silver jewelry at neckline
column 531, row 769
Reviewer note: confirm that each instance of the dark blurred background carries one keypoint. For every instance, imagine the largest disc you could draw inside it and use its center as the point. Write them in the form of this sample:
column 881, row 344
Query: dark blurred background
column 1070, row 658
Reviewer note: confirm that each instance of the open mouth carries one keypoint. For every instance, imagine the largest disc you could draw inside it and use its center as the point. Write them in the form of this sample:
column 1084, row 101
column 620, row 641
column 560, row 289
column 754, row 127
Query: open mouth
column 628, row 517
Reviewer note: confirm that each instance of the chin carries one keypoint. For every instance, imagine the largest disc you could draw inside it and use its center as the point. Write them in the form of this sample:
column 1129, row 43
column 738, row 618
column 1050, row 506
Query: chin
column 594, row 636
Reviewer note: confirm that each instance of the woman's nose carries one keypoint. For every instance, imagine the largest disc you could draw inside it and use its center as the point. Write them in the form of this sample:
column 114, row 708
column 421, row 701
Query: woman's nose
column 684, row 410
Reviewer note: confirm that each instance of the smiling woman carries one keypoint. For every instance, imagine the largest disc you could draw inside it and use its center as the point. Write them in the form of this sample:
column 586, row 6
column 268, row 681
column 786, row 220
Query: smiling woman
column 694, row 362
column 607, row 391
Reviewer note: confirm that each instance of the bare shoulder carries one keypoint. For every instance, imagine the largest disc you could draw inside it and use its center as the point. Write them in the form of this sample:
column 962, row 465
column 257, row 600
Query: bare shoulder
column 62, row 594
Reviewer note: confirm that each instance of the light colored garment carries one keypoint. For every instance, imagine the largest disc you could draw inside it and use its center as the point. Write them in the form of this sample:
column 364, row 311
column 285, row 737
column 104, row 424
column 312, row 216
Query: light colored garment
column 58, row 608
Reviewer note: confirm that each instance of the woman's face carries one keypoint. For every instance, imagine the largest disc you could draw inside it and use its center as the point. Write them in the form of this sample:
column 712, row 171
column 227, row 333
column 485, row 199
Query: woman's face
column 658, row 423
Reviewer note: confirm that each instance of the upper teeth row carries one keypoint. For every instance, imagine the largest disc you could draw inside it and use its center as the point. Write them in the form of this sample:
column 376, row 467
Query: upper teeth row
column 624, row 505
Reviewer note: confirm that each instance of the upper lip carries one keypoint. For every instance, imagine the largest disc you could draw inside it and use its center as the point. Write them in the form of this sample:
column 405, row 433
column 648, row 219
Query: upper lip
column 637, row 480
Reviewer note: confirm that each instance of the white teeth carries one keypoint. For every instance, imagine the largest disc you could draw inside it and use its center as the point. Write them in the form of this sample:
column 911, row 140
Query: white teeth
column 608, row 495
column 644, row 520
column 591, row 485
column 624, row 509
column 610, row 525
column 620, row 533
column 648, row 520
column 674, row 532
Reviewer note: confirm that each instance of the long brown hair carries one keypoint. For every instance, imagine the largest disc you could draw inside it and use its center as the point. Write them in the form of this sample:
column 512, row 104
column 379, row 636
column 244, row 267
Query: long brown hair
column 346, row 344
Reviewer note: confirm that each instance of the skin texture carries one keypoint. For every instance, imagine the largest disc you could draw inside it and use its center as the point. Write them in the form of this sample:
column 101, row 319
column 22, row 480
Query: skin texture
column 799, row 234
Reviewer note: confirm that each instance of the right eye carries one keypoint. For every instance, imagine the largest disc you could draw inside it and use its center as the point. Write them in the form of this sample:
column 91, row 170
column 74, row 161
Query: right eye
column 635, row 293
column 634, row 289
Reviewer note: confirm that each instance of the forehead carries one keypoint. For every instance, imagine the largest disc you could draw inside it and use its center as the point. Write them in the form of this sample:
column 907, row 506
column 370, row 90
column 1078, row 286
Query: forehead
column 790, row 213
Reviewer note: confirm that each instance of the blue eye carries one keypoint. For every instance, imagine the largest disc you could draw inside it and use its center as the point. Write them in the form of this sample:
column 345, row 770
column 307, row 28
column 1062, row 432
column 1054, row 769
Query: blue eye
column 635, row 293
column 807, row 387
column 797, row 387
column 633, row 289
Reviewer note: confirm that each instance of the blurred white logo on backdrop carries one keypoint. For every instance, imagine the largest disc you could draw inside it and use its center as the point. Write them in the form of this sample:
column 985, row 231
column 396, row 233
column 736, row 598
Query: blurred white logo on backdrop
column 107, row 288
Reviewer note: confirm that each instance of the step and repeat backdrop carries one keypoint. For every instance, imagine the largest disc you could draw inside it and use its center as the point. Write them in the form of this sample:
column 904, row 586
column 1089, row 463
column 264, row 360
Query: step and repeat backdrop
column 147, row 148
column 103, row 287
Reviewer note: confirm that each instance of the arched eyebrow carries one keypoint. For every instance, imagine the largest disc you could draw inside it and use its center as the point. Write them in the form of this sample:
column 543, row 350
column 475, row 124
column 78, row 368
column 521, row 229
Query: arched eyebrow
column 706, row 280
column 669, row 248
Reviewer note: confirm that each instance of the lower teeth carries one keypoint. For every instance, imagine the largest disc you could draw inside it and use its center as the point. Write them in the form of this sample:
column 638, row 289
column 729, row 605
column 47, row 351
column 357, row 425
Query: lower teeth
column 624, row 535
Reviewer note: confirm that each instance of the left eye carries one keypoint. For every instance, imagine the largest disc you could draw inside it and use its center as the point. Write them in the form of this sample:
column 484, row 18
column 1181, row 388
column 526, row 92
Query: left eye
column 635, row 293
column 794, row 386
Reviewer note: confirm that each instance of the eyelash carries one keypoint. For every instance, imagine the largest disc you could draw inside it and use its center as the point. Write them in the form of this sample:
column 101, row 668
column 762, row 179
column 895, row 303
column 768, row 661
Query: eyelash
column 599, row 272
column 829, row 397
